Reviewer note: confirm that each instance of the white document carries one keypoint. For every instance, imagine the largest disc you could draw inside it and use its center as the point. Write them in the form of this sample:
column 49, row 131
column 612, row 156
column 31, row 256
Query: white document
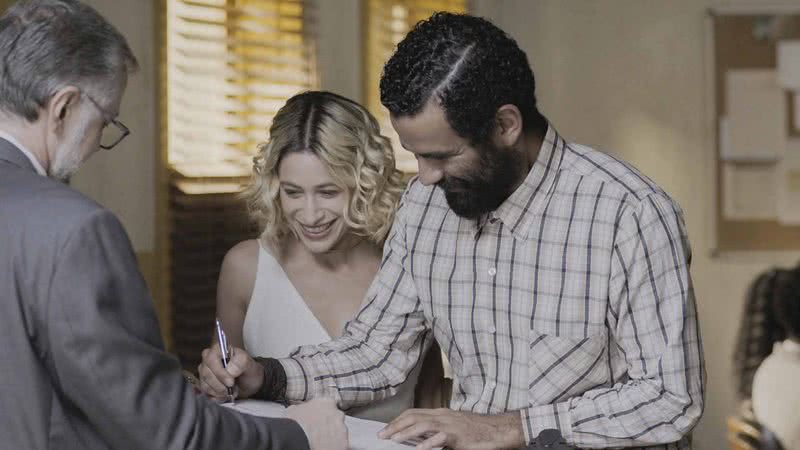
column 788, row 61
column 756, row 116
column 749, row 191
column 362, row 433
column 788, row 181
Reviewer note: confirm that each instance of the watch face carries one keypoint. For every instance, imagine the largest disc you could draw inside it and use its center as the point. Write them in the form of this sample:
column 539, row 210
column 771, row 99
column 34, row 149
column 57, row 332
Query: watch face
column 549, row 436
column 549, row 439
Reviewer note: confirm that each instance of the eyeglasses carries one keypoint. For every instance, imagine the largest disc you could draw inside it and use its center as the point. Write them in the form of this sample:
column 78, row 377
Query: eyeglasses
column 111, row 137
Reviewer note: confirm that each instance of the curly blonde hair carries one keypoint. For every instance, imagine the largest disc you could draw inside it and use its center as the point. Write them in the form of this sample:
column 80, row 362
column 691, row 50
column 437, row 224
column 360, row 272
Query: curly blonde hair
column 347, row 139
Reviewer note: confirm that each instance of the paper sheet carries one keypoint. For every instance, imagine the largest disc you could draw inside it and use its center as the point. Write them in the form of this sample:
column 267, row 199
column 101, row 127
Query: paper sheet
column 749, row 191
column 788, row 61
column 756, row 116
column 788, row 180
column 362, row 433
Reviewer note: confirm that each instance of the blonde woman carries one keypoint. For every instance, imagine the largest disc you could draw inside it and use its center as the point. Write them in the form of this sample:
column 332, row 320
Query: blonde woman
column 324, row 189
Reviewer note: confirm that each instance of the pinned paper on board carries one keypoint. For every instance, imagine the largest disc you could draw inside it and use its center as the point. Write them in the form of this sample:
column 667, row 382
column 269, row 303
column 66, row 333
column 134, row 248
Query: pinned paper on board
column 788, row 185
column 787, row 55
column 755, row 128
column 754, row 87
column 750, row 191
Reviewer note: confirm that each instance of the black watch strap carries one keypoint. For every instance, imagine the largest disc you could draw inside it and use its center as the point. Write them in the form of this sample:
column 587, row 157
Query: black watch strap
column 549, row 439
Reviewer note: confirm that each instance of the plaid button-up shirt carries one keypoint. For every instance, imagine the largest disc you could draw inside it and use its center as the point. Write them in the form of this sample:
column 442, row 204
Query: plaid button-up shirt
column 572, row 303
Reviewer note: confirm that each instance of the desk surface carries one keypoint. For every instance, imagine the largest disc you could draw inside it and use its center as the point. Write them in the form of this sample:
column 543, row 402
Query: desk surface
column 362, row 433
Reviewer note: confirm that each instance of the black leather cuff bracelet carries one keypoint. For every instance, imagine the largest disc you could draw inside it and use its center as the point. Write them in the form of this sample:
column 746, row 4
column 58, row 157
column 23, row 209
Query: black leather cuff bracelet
column 274, row 386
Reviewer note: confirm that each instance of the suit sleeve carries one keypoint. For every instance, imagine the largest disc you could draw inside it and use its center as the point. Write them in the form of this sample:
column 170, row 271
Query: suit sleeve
column 109, row 361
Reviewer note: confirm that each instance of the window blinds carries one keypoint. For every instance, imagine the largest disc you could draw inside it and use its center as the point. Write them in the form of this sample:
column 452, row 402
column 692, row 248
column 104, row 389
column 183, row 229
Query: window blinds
column 231, row 64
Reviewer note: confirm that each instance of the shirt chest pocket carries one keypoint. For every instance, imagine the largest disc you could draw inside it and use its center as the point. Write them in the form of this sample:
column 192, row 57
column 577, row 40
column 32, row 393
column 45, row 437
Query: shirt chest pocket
column 560, row 367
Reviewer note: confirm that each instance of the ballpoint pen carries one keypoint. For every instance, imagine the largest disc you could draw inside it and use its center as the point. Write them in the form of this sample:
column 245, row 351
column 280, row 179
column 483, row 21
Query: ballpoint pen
column 225, row 350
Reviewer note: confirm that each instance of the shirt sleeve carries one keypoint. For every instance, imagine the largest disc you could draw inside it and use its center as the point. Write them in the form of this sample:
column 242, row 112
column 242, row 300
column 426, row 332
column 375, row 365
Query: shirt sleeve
column 378, row 348
column 653, row 323
column 107, row 359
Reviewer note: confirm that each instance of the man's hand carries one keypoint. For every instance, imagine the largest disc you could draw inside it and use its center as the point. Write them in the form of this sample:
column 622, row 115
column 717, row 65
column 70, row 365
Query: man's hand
column 322, row 422
column 243, row 373
column 457, row 430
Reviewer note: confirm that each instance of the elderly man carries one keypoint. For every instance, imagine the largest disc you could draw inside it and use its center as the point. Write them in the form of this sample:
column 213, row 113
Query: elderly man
column 555, row 277
column 81, row 359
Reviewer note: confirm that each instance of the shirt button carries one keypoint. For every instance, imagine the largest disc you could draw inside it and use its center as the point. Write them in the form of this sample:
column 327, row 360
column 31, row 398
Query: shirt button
column 492, row 272
column 492, row 329
column 491, row 384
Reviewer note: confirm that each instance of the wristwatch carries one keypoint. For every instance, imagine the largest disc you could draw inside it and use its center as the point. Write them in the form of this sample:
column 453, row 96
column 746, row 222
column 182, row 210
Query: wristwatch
column 550, row 439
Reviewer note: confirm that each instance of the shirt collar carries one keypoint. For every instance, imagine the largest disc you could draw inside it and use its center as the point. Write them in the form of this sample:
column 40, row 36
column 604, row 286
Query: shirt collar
column 519, row 209
column 36, row 164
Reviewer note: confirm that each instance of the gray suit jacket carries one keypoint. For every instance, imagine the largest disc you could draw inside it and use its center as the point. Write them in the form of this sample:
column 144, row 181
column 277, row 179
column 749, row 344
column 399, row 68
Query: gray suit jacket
column 81, row 359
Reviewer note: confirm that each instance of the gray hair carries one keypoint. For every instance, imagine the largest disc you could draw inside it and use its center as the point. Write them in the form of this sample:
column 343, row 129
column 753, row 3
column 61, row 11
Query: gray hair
column 48, row 44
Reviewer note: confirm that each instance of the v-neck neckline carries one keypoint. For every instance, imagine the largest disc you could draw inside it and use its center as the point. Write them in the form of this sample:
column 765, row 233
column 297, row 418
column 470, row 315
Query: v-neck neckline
column 295, row 290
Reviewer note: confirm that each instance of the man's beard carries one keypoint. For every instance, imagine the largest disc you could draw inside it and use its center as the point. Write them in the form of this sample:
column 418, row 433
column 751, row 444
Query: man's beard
column 486, row 186
column 68, row 158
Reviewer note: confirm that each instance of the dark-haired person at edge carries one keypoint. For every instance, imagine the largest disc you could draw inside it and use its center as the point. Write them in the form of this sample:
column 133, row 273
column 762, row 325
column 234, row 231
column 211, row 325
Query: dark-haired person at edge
column 555, row 277
column 775, row 396
column 82, row 362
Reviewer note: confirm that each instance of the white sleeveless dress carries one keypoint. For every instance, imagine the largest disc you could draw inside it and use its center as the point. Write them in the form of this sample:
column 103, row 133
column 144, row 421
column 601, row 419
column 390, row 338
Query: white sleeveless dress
column 278, row 321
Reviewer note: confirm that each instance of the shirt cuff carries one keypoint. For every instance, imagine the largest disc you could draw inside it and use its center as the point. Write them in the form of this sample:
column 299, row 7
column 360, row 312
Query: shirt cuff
column 297, row 385
column 538, row 418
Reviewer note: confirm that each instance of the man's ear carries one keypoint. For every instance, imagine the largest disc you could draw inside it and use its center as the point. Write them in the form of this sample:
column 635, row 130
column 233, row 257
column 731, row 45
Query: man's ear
column 508, row 126
column 63, row 103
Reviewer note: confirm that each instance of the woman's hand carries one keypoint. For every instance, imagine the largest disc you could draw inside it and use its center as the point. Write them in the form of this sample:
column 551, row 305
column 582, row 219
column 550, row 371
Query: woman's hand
column 243, row 374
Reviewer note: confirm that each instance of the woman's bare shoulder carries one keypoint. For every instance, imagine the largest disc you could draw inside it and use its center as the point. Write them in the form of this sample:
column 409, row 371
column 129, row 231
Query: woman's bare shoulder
column 239, row 268
column 243, row 255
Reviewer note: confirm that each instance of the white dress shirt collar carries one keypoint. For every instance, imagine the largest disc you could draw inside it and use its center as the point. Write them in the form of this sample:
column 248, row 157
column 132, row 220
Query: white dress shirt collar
column 36, row 164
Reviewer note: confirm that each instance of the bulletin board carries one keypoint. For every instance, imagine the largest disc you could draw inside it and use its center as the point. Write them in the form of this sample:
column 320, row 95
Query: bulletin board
column 757, row 128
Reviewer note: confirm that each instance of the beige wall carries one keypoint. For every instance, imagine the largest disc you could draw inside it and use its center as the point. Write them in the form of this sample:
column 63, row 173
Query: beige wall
column 629, row 76
column 124, row 179
column 339, row 47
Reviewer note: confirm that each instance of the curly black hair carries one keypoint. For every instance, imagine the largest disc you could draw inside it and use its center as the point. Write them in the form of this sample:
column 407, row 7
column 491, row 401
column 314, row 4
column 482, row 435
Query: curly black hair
column 472, row 67
column 787, row 303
